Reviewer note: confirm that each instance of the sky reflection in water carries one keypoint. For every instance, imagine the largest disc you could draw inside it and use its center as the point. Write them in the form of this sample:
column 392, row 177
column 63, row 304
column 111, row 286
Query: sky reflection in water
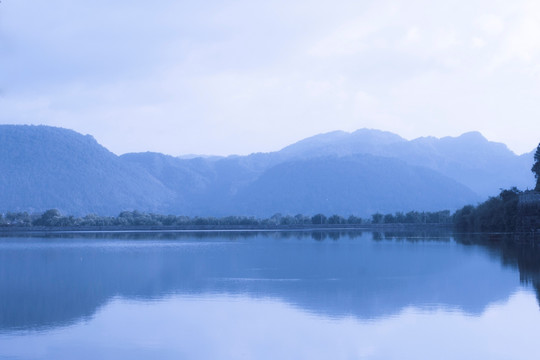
column 236, row 327
column 265, row 297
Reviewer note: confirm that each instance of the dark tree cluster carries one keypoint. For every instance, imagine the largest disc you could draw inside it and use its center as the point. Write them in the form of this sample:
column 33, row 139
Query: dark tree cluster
column 17, row 219
column 536, row 168
column 498, row 213
column 413, row 217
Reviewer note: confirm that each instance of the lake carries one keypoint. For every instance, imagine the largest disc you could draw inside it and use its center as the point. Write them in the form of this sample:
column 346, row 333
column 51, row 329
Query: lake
column 268, row 295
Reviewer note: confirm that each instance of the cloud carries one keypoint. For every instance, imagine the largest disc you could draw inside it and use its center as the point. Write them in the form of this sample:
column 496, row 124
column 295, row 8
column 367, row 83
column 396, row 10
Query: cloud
column 236, row 77
column 491, row 24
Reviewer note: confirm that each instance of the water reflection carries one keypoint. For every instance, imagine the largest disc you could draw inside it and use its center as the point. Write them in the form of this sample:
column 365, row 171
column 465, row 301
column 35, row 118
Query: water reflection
column 63, row 279
column 524, row 256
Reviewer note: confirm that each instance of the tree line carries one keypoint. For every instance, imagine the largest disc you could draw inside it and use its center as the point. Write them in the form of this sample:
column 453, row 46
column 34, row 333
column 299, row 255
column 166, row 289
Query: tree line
column 53, row 218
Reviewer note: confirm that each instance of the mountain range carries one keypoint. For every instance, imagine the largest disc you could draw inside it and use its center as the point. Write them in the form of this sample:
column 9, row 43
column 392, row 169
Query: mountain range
column 358, row 173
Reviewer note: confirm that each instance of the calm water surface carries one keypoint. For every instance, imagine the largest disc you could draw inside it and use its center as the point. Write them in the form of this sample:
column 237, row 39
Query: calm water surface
column 271, row 295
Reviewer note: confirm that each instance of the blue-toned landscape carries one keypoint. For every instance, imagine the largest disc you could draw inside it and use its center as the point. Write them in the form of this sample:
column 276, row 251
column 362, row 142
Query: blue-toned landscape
column 308, row 179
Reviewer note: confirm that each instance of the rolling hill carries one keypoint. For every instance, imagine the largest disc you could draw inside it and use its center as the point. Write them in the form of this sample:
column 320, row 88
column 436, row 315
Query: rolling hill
column 44, row 167
column 344, row 173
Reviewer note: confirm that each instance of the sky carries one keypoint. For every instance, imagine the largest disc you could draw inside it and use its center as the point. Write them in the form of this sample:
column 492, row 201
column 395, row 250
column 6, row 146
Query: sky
column 236, row 77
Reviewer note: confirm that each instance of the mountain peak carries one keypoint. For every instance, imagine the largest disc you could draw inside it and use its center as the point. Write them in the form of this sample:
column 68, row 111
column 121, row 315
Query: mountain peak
column 376, row 132
column 473, row 135
column 342, row 143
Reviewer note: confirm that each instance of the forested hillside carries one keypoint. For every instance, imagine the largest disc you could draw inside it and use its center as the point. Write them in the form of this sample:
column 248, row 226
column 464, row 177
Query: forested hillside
column 360, row 173
column 43, row 167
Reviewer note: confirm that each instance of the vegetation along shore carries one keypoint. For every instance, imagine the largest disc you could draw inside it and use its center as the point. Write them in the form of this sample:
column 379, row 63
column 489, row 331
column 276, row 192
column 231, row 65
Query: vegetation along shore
column 512, row 210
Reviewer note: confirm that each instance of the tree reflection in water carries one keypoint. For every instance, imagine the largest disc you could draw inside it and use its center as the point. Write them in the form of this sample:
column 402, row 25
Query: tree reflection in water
column 57, row 279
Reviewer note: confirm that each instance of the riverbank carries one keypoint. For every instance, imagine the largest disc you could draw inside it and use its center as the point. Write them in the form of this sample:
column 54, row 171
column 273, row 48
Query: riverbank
column 266, row 227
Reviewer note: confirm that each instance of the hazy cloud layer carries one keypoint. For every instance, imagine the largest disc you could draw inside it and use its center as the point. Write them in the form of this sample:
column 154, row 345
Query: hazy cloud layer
column 241, row 76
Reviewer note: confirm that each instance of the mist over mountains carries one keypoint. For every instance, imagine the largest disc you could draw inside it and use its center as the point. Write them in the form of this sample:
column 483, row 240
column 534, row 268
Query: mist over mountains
column 344, row 173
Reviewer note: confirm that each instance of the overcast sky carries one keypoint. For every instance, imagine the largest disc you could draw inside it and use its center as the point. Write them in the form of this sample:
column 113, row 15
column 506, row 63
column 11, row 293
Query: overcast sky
column 223, row 77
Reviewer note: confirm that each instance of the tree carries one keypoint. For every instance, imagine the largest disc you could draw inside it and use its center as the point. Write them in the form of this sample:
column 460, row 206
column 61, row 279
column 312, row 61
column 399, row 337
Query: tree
column 50, row 217
column 336, row 219
column 536, row 168
column 318, row 219
column 301, row 219
column 377, row 218
column 354, row 220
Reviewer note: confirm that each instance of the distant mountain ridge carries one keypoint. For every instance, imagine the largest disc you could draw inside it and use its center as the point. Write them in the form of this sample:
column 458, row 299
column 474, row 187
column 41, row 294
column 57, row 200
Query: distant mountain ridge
column 379, row 184
column 471, row 159
column 44, row 167
column 356, row 173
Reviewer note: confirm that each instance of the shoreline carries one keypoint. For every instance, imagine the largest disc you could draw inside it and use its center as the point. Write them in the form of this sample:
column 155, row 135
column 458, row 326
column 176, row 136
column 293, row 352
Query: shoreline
column 383, row 231
column 216, row 228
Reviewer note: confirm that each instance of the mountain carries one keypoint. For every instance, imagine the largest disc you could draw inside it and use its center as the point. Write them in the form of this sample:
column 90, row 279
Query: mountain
column 340, row 143
column 262, row 185
column 357, row 184
column 203, row 186
column 470, row 159
column 45, row 167
column 345, row 173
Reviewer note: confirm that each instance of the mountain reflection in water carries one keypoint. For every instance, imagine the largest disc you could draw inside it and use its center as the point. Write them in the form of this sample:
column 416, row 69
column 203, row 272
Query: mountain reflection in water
column 57, row 280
